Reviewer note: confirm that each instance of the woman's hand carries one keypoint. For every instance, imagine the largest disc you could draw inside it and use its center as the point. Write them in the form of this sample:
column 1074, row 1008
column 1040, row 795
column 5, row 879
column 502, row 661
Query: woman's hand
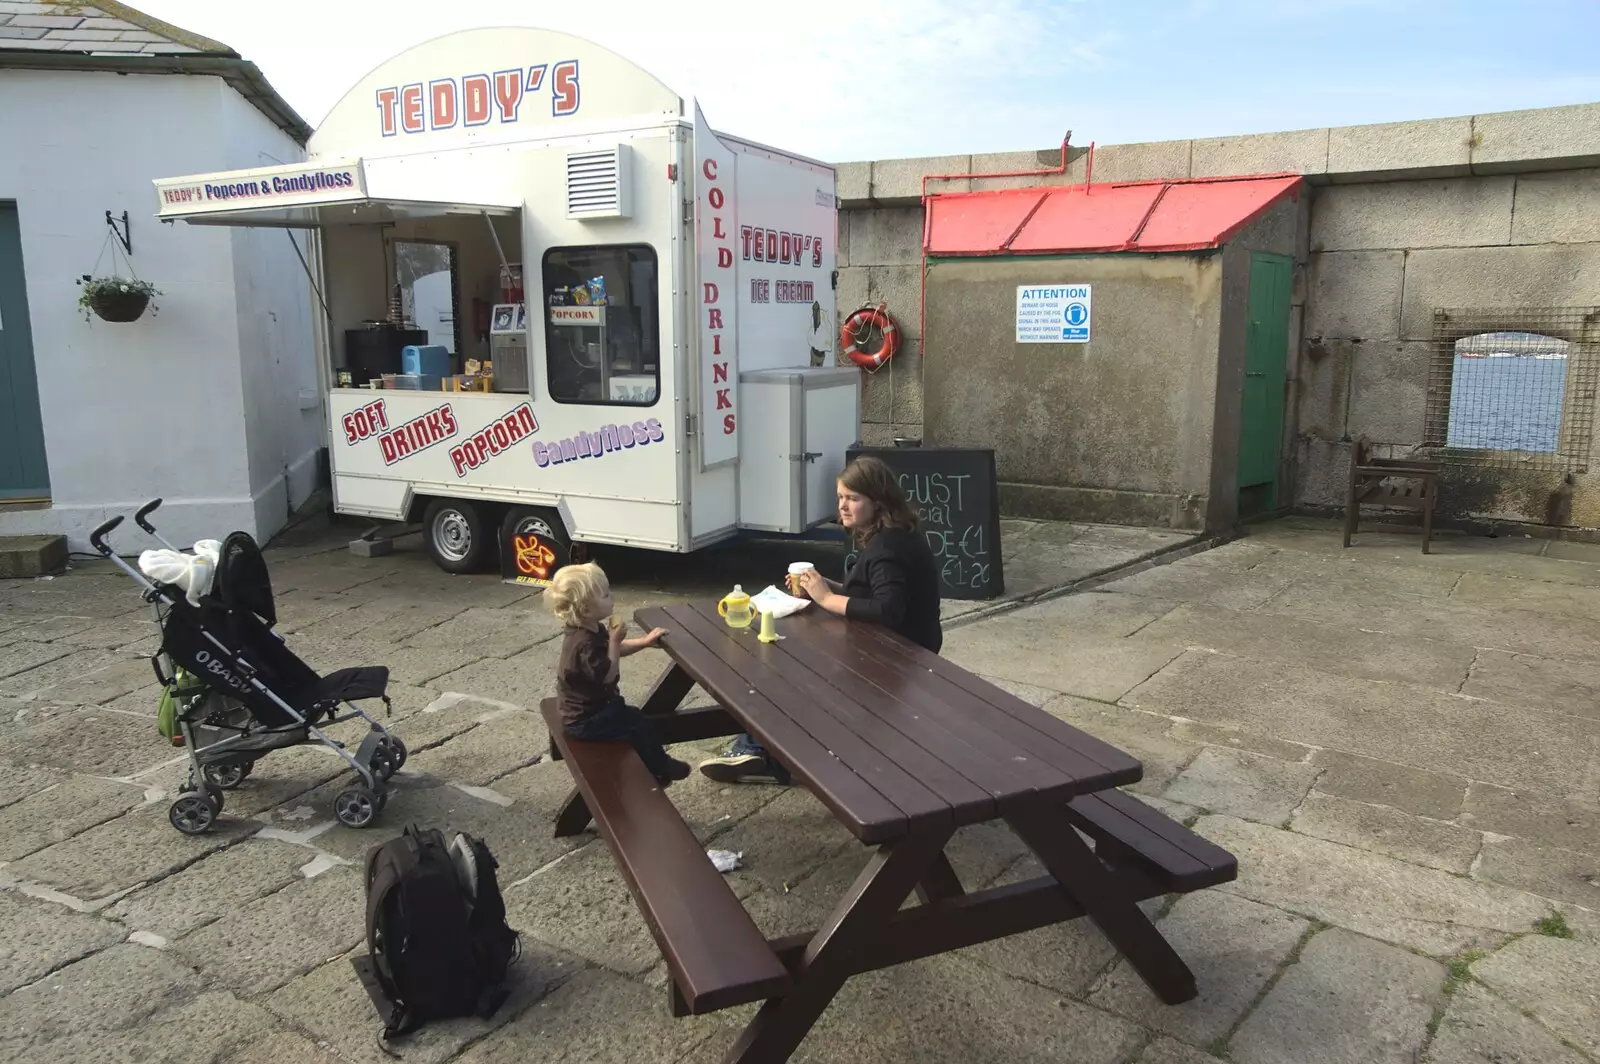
column 818, row 590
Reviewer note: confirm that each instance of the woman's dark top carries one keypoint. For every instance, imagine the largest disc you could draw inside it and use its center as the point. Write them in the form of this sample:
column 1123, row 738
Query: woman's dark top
column 895, row 583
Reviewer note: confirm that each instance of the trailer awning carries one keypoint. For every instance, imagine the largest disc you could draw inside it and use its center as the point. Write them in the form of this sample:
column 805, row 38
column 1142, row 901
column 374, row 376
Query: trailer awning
column 298, row 196
column 1147, row 216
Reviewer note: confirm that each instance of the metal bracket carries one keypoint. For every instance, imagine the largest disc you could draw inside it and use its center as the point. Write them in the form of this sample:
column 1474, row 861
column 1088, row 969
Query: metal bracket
column 691, row 424
column 124, row 235
column 808, row 456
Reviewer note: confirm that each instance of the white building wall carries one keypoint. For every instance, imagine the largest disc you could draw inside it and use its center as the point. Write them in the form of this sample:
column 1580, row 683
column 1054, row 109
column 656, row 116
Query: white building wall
column 163, row 406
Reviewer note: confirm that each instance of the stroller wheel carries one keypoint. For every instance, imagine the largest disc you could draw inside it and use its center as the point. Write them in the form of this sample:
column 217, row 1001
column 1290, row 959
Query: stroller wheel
column 358, row 806
column 227, row 777
column 214, row 796
column 389, row 756
column 192, row 814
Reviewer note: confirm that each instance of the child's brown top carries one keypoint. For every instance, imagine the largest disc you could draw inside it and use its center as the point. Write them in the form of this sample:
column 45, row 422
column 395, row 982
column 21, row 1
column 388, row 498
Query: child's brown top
column 581, row 673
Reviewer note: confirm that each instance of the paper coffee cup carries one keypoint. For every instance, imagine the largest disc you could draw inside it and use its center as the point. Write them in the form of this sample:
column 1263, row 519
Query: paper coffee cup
column 795, row 569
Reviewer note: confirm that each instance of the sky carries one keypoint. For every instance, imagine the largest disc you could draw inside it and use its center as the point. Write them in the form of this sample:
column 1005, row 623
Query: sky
column 844, row 80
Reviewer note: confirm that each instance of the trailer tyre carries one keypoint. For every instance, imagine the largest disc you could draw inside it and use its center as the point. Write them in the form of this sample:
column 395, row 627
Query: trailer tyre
column 521, row 520
column 459, row 535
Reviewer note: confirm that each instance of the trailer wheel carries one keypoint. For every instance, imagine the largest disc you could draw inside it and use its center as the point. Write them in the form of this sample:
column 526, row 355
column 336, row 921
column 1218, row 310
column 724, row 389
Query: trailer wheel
column 459, row 536
column 521, row 520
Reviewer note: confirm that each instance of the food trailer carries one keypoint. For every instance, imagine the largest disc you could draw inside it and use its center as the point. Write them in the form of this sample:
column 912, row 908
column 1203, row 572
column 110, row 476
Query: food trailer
column 557, row 307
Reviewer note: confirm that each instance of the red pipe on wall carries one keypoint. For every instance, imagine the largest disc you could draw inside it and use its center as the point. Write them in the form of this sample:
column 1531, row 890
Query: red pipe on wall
column 922, row 279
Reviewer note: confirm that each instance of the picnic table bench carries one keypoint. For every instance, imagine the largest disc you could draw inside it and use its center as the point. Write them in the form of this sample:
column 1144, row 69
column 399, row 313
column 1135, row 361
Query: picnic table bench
column 903, row 748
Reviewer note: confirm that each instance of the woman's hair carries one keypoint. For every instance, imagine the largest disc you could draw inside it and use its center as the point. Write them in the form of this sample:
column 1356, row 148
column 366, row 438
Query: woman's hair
column 574, row 591
column 871, row 477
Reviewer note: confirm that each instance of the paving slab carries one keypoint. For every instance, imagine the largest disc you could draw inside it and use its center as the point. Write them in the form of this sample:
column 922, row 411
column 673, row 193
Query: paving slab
column 1249, row 786
column 1413, row 725
column 139, row 847
column 18, row 780
column 1571, row 600
column 1100, row 612
column 282, row 935
column 414, row 665
column 133, row 634
column 1332, row 649
column 227, row 884
column 1100, row 668
column 1538, row 683
column 1144, row 735
column 283, row 1047
column 95, row 740
column 597, row 1017
column 1348, row 998
column 1479, row 1028
column 212, row 1027
column 1553, row 980
column 521, row 680
column 1565, row 824
column 1561, row 875
column 61, row 810
column 1232, row 738
column 111, row 990
column 494, row 633
column 784, row 839
column 37, row 937
column 1232, row 945
column 1064, row 958
column 1419, row 908
column 1382, row 782
column 18, row 657
column 492, row 749
column 1171, row 1051
column 45, row 678
column 1037, row 696
column 283, row 776
column 1200, row 583
column 1384, row 830
column 331, row 1004
column 92, row 686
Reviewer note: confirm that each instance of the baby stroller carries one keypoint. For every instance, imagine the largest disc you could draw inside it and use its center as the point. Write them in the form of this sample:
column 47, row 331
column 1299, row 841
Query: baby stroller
column 240, row 692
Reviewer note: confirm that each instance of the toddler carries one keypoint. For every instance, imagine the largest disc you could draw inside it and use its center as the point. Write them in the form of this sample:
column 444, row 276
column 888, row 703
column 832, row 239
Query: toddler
column 586, row 678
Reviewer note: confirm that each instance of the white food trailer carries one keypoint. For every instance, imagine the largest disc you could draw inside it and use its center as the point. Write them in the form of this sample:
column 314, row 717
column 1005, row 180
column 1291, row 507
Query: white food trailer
column 660, row 298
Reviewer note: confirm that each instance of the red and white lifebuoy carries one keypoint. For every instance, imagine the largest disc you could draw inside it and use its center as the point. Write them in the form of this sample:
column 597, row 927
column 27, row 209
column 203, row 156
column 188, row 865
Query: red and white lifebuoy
column 858, row 329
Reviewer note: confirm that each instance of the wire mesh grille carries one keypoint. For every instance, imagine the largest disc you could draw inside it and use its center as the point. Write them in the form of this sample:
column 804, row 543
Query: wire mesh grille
column 1514, row 387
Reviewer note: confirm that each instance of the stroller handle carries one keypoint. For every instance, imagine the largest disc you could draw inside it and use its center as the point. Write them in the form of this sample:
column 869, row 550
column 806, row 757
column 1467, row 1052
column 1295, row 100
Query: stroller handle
column 145, row 511
column 97, row 538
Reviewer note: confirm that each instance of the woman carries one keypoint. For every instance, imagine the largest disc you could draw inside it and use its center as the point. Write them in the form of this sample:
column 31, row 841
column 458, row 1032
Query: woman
column 894, row 582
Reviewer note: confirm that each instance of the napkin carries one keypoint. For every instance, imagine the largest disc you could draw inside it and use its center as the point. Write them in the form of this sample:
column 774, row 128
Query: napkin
column 777, row 603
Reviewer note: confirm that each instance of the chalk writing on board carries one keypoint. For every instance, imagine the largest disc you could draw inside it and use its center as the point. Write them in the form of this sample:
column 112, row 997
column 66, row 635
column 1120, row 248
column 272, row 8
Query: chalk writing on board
column 960, row 548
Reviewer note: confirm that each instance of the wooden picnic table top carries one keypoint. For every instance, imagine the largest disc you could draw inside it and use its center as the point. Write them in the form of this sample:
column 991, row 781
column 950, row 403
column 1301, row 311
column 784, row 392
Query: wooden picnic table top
column 891, row 738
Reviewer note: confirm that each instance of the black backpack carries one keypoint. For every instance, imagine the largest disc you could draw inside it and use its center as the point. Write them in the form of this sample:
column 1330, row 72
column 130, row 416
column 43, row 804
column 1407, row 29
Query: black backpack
column 438, row 945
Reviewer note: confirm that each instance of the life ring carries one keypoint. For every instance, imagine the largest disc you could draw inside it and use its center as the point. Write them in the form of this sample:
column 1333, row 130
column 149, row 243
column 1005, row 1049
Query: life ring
column 858, row 328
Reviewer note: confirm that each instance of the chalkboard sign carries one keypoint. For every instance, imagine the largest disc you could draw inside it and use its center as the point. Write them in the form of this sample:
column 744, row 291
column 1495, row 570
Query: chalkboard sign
column 957, row 495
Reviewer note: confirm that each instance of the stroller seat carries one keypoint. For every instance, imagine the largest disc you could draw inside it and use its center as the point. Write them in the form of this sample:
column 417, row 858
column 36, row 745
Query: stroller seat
column 352, row 685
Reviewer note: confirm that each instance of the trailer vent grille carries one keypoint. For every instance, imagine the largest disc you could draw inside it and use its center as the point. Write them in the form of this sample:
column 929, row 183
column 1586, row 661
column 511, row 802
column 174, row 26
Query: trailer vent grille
column 597, row 183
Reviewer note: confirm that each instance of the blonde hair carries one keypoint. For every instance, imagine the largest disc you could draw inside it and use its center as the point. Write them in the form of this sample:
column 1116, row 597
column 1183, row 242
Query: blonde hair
column 574, row 590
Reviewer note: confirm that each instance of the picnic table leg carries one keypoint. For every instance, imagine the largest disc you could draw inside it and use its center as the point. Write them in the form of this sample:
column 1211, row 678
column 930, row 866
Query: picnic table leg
column 574, row 816
column 1081, row 873
column 850, row 933
column 669, row 691
column 939, row 882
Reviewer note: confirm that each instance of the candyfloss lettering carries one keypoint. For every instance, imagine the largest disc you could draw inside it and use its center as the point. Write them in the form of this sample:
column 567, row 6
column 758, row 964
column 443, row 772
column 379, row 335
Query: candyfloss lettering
column 608, row 439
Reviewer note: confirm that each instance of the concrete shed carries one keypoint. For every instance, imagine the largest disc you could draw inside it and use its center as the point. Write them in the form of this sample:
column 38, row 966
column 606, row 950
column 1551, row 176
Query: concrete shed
column 1121, row 346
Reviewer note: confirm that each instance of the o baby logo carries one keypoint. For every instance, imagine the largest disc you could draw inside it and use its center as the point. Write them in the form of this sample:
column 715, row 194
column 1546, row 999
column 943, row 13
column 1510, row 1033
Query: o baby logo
column 498, row 438
column 598, row 444
column 475, row 99
column 418, row 434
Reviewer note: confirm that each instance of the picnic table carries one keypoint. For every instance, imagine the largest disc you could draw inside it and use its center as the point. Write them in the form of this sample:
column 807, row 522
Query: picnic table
column 903, row 748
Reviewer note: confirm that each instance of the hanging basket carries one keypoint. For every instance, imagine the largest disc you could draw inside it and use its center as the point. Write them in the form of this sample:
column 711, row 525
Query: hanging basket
column 118, row 299
column 119, row 306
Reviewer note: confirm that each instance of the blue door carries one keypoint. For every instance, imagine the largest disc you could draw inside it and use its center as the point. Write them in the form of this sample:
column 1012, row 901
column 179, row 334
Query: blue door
column 22, row 468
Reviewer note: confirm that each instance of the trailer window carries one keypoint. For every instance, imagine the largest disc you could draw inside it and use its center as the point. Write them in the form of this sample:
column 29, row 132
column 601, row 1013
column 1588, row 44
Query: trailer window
column 602, row 337
column 426, row 274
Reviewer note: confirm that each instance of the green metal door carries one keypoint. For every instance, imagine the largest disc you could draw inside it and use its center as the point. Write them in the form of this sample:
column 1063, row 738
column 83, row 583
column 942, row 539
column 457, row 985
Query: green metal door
column 1266, row 346
column 22, row 468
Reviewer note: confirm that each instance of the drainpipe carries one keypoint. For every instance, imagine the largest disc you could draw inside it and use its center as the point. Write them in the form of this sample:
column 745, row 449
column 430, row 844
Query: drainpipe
column 922, row 280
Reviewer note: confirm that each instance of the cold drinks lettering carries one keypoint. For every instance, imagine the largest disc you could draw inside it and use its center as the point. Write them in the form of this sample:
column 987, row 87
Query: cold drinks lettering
column 418, row 434
column 498, row 438
column 475, row 99
column 711, row 295
column 598, row 444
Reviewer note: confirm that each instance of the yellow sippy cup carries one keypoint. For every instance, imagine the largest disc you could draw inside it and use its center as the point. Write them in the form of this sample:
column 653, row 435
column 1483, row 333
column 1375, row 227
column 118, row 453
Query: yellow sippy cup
column 735, row 608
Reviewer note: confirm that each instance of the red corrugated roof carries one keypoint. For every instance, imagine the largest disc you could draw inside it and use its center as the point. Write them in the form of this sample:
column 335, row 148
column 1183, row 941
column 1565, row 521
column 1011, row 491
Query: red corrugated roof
column 1075, row 219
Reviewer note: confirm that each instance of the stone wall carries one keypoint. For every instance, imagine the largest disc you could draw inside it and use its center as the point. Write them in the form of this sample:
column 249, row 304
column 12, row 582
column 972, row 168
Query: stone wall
column 1400, row 219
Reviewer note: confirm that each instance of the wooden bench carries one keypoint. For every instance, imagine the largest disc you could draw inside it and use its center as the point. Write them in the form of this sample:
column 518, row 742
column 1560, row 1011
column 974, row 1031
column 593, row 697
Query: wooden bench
column 1393, row 483
column 1128, row 832
column 716, row 955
